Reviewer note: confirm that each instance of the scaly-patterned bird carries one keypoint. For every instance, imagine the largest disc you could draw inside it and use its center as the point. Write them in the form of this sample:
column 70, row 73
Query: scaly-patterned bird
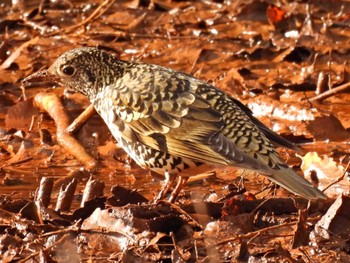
column 173, row 123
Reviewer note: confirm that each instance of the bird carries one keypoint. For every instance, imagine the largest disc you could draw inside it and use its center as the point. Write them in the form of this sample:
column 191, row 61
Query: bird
column 172, row 123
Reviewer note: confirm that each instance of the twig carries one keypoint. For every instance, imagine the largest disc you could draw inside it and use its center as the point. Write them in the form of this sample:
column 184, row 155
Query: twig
column 7, row 63
column 61, row 240
column 99, row 11
column 24, row 160
column 254, row 233
column 156, row 36
column 81, row 119
column 331, row 92
column 78, row 230
column 189, row 218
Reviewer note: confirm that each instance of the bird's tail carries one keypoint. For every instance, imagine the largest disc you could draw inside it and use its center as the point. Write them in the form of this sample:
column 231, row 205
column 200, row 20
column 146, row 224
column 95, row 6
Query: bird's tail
column 291, row 181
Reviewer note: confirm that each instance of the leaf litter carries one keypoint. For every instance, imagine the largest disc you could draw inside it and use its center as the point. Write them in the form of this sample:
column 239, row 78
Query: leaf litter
column 287, row 61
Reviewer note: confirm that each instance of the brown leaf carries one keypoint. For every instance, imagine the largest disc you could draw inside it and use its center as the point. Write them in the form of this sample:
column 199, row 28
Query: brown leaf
column 20, row 116
column 22, row 154
column 7, row 63
column 275, row 14
column 336, row 221
column 325, row 166
column 301, row 237
column 328, row 128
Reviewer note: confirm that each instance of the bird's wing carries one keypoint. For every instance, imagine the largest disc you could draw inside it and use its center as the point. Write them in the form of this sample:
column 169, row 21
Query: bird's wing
column 164, row 112
column 271, row 135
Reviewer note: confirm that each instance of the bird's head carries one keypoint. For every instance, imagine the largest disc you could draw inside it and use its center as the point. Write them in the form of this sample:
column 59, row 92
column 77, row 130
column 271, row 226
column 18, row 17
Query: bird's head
column 85, row 70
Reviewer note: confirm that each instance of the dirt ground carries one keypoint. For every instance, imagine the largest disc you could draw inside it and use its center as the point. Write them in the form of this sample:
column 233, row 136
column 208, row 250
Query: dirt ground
column 286, row 60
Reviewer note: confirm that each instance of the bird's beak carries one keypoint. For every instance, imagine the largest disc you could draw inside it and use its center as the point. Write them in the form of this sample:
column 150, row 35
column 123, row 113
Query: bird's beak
column 40, row 76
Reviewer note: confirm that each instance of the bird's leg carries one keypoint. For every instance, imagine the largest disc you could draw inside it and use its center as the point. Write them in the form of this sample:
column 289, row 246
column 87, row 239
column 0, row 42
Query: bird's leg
column 168, row 182
column 180, row 183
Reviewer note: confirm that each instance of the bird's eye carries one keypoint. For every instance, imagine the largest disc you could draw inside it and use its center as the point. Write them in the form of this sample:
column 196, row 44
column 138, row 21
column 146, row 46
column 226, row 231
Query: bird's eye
column 68, row 70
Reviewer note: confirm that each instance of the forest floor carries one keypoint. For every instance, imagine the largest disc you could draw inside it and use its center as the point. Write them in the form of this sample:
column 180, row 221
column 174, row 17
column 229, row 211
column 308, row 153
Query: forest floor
column 286, row 60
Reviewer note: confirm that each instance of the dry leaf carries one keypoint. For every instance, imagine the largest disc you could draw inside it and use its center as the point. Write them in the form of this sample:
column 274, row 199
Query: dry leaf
column 325, row 166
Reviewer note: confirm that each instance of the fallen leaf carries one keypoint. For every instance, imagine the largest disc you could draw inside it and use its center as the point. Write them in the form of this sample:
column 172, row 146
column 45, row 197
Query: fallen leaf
column 336, row 221
column 325, row 167
column 20, row 115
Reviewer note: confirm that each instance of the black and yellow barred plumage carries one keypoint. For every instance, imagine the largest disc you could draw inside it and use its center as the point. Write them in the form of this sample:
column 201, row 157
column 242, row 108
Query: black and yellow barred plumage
column 173, row 123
